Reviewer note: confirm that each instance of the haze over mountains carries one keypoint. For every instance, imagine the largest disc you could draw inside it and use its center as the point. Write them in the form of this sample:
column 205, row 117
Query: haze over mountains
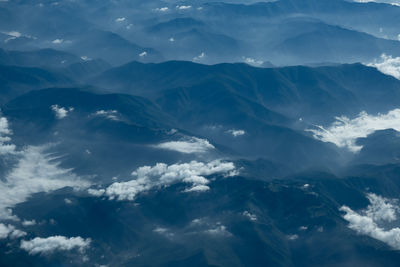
column 170, row 133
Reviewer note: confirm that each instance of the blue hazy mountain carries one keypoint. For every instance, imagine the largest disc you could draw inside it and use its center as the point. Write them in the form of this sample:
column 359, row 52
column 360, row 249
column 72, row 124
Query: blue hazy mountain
column 199, row 133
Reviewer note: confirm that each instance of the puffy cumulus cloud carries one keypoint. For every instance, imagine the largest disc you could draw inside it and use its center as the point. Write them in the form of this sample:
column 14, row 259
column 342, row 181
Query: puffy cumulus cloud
column 61, row 112
column 381, row 209
column 344, row 131
column 109, row 114
column 52, row 244
column 236, row 133
column 388, row 65
column 189, row 146
column 35, row 171
column 9, row 231
column 366, row 221
column 148, row 177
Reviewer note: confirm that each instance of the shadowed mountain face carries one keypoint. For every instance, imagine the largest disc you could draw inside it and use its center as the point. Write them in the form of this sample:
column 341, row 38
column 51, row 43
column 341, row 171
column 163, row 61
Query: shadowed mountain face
column 197, row 133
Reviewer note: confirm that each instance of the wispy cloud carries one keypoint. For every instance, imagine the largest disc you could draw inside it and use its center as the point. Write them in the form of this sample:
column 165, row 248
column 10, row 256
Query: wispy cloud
column 183, row 7
column 188, row 146
column 344, row 131
column 199, row 57
column 388, row 65
column 109, row 114
column 366, row 221
column 161, row 9
column 236, row 133
column 36, row 171
column 391, row 2
column 161, row 174
column 52, row 244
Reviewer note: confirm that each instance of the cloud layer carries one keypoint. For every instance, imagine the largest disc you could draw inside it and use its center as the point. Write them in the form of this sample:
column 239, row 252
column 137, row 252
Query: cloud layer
column 148, row 177
column 54, row 243
column 366, row 222
column 344, row 131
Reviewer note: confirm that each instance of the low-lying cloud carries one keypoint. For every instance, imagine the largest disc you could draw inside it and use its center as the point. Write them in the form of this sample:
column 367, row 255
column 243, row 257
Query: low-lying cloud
column 161, row 174
column 9, row 231
column 344, row 131
column 388, row 65
column 36, row 171
column 366, row 221
column 60, row 112
column 189, row 146
column 52, row 244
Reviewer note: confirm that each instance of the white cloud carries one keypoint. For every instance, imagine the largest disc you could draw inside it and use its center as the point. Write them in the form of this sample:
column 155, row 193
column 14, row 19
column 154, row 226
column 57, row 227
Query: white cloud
column 161, row 9
column 198, row 188
column 85, row 58
column 189, row 146
column 9, row 231
column 109, row 114
column 28, row 223
column 252, row 61
column 54, row 243
column 182, row 7
column 58, row 41
column 171, row 39
column 36, row 171
column 15, row 34
column 143, row 54
column 61, row 112
column 5, row 146
column 219, row 230
column 164, row 231
column 366, row 222
column 293, row 237
column 344, row 131
column 199, row 57
column 391, row 2
column 388, row 65
column 249, row 215
column 161, row 174
column 122, row 19
column 236, row 133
